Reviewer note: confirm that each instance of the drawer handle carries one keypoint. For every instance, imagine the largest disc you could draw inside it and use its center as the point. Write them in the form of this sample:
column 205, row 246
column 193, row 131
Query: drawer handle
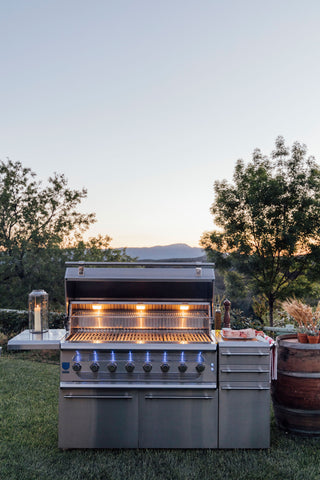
column 229, row 387
column 229, row 370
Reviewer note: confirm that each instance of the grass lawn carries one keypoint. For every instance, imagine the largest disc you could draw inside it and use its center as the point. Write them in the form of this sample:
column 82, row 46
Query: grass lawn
column 29, row 439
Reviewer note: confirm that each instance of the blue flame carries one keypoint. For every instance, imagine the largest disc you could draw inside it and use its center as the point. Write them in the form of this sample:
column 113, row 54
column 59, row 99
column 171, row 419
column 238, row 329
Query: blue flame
column 95, row 356
column 130, row 356
column 200, row 357
column 165, row 356
column 182, row 359
column 77, row 357
column 147, row 356
column 113, row 357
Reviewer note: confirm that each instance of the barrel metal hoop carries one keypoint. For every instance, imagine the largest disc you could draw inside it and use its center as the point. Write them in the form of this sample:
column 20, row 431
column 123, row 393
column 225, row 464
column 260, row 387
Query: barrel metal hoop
column 296, row 411
column 300, row 374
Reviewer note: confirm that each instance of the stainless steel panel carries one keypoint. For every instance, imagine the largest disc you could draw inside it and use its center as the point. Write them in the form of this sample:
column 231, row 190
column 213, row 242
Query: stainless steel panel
column 141, row 271
column 244, row 386
column 245, row 373
column 137, row 386
column 244, row 356
column 244, row 416
column 138, row 376
column 26, row 340
column 65, row 345
column 178, row 419
column 163, row 320
column 97, row 418
column 94, row 418
column 141, row 283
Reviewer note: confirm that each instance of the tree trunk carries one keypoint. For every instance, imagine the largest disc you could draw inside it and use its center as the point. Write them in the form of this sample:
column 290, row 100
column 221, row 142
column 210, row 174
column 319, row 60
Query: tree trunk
column 271, row 305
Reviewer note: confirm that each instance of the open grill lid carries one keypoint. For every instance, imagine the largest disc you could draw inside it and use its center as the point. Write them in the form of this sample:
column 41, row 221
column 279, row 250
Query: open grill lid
column 131, row 281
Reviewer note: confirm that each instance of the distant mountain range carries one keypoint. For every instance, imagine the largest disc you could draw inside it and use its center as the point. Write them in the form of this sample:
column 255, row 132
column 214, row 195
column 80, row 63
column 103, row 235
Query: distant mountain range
column 167, row 252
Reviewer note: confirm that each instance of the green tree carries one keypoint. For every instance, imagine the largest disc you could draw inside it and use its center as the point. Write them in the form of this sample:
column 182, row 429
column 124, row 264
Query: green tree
column 46, row 267
column 40, row 229
column 268, row 222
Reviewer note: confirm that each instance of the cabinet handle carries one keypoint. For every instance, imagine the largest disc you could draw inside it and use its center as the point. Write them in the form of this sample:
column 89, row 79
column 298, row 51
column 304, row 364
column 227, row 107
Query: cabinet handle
column 175, row 397
column 104, row 397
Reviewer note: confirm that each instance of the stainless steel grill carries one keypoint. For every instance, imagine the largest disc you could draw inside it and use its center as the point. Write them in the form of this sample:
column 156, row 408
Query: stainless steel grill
column 139, row 363
column 139, row 358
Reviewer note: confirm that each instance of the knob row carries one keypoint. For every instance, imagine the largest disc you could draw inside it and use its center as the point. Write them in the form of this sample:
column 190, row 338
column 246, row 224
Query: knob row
column 147, row 367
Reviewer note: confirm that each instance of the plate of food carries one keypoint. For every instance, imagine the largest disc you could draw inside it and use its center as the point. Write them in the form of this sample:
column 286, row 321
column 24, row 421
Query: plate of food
column 244, row 334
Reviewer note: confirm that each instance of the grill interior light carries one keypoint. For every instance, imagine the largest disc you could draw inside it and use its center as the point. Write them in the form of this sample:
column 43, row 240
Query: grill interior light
column 96, row 307
column 140, row 307
column 184, row 307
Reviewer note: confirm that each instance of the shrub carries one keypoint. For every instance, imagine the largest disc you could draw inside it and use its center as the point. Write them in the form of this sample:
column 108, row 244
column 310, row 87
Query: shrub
column 13, row 322
column 239, row 320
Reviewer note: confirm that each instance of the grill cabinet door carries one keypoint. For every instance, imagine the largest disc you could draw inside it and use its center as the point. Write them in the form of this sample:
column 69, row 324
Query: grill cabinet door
column 98, row 418
column 244, row 415
column 178, row 419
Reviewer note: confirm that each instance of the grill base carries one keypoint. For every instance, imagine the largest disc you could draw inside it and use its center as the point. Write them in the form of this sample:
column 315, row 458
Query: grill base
column 131, row 418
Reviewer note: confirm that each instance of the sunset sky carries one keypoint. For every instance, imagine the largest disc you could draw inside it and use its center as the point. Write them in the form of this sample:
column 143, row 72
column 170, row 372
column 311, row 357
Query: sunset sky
column 146, row 103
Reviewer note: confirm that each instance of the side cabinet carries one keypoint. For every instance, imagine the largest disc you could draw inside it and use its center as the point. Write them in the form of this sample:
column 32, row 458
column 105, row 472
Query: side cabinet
column 244, row 416
column 244, row 395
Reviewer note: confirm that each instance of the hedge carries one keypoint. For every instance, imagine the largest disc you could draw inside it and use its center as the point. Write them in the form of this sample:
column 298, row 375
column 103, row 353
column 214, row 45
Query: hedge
column 15, row 321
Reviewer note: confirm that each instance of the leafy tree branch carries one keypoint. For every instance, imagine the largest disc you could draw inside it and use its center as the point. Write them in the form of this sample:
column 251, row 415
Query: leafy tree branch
column 269, row 220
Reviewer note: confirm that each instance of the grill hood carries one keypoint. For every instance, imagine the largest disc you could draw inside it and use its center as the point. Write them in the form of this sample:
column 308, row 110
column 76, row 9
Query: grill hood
column 139, row 282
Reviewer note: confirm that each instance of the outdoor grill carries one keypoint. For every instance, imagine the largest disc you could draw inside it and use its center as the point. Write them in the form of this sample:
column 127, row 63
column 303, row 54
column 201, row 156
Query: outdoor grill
column 142, row 367
column 138, row 366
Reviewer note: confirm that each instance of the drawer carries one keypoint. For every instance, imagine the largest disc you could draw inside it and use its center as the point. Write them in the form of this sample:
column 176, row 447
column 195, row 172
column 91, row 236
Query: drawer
column 243, row 386
column 244, row 356
column 244, row 373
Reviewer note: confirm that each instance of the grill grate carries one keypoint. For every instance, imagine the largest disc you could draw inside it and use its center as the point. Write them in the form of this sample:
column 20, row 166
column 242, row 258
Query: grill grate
column 137, row 336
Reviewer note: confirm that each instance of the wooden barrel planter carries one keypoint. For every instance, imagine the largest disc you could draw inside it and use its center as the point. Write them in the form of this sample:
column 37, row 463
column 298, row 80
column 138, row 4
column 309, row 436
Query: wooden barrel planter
column 296, row 392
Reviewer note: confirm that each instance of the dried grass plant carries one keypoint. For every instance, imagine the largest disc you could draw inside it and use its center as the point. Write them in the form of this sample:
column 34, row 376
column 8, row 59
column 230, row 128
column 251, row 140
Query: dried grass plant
column 306, row 318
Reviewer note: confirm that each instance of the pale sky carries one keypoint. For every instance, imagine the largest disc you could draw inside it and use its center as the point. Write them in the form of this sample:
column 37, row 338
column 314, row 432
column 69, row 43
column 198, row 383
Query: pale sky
column 146, row 103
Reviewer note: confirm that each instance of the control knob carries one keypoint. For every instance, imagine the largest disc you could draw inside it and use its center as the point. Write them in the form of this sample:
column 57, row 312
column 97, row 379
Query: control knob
column 147, row 367
column 200, row 367
column 112, row 367
column 76, row 367
column 182, row 367
column 130, row 366
column 165, row 367
column 94, row 367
